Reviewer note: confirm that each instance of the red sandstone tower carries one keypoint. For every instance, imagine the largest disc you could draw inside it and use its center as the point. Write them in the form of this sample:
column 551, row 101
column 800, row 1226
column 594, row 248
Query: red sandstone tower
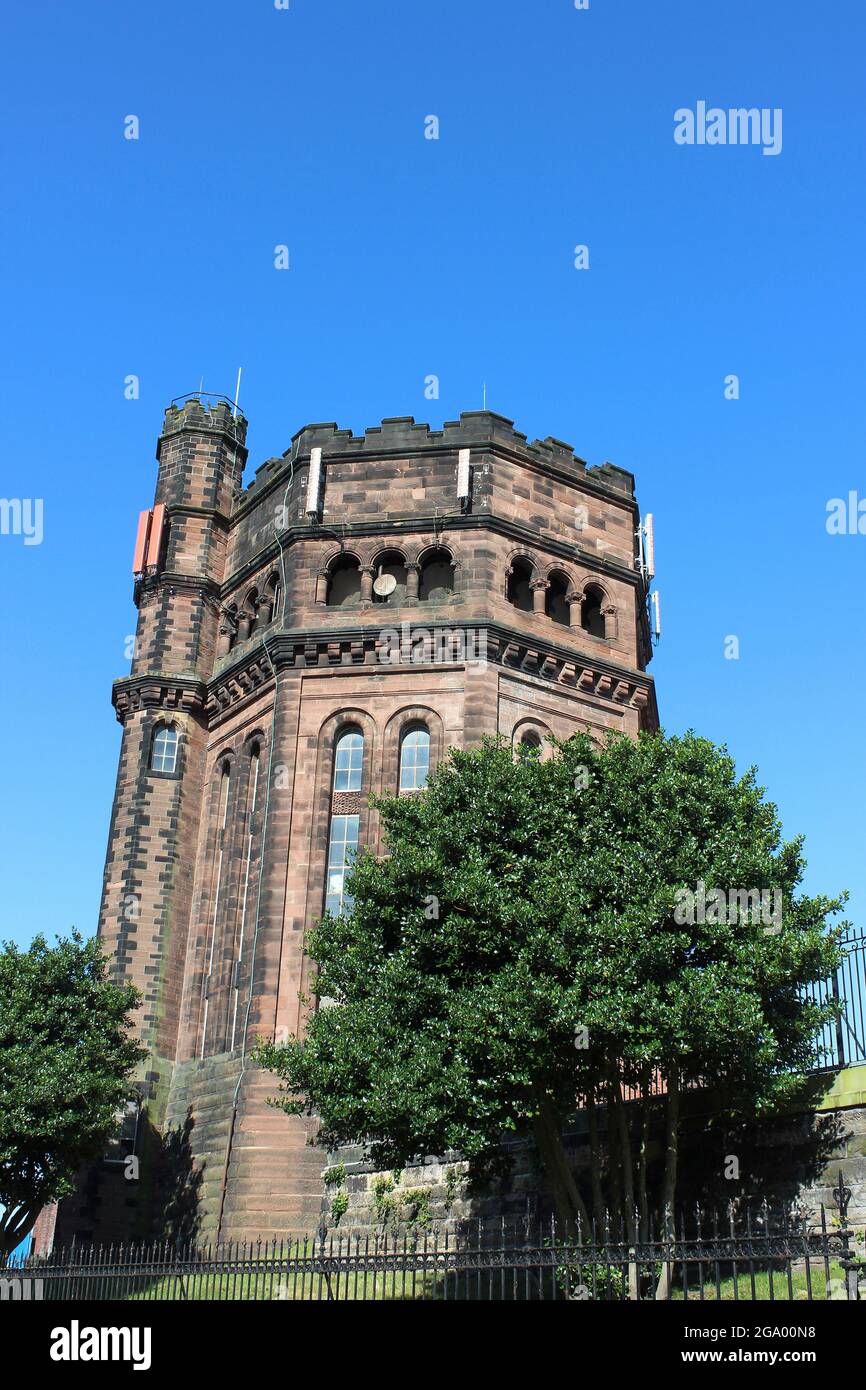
column 327, row 632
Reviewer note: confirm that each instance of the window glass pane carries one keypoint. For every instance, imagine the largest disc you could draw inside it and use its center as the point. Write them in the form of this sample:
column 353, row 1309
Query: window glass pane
column 414, row 760
column 342, row 847
column 349, row 762
column 164, row 751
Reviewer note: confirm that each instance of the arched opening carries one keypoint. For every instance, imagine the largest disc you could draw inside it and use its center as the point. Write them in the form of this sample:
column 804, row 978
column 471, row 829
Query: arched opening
column 414, row 758
column 249, row 614
column 349, row 760
column 229, row 626
column 530, row 745
column 437, row 577
column 344, row 584
column 345, row 827
column 591, row 614
column 519, row 579
column 274, row 598
column 556, row 605
column 390, row 565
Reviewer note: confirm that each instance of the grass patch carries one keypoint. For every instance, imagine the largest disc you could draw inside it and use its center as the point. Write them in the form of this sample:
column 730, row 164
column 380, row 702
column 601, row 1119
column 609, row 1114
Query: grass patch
column 746, row 1287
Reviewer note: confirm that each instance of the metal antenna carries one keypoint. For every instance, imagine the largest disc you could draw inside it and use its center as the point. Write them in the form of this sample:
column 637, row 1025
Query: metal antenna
column 237, row 391
column 484, row 395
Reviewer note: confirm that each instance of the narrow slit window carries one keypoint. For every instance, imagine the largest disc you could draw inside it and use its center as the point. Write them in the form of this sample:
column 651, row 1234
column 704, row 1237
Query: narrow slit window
column 341, row 850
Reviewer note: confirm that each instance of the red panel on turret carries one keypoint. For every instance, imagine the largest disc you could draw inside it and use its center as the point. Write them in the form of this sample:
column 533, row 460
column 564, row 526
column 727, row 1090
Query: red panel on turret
column 155, row 539
column 141, row 542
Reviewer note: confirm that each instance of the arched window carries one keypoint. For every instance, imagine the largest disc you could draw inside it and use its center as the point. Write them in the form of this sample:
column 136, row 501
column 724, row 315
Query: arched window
column 591, row 614
column 391, row 565
column 349, row 761
column 530, row 744
column 437, row 577
column 414, row 759
column 249, row 613
column 555, row 603
column 275, row 595
column 343, row 836
column 344, row 582
column 163, row 750
column 519, row 592
column 229, row 626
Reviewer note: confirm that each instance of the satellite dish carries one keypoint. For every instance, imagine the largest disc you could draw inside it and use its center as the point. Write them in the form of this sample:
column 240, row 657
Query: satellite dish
column 384, row 584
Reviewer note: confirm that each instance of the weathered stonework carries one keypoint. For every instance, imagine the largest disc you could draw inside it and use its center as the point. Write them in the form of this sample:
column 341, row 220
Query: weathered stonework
column 793, row 1157
column 216, row 871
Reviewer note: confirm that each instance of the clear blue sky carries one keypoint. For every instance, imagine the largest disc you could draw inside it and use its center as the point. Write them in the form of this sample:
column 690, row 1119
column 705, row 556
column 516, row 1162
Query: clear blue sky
column 455, row 257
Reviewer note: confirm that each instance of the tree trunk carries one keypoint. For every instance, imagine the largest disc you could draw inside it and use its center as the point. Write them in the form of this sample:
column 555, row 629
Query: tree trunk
column 620, row 1119
column 595, row 1161
column 568, row 1203
column 672, row 1128
column 643, row 1146
column 614, row 1151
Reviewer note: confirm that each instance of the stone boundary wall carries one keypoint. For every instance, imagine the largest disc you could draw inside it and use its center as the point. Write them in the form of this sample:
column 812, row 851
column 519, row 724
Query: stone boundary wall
column 794, row 1156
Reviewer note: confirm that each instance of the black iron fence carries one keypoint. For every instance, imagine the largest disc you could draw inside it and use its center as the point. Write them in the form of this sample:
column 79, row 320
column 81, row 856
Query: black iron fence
column 740, row 1254
column 843, row 1043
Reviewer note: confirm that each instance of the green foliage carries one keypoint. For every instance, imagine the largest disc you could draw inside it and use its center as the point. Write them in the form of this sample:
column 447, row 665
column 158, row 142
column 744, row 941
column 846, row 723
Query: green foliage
column 452, row 1182
column 416, row 1203
column 339, row 1206
column 557, row 886
column 336, row 1176
column 383, row 1196
column 66, row 1058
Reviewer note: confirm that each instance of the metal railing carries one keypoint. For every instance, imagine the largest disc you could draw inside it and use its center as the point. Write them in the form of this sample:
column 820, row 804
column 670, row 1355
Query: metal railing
column 843, row 1044
column 739, row 1254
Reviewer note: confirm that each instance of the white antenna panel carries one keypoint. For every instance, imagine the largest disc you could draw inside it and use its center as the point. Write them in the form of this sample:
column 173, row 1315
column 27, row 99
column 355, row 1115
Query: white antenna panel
column 657, row 616
column 463, row 475
column 650, row 546
column 314, row 482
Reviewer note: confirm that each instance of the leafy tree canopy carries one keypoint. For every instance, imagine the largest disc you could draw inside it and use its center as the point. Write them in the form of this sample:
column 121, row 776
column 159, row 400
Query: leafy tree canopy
column 522, row 945
column 66, row 1058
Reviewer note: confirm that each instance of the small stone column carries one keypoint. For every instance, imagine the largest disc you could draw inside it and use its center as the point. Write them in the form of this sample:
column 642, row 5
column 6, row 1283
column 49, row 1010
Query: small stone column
column 367, row 575
column 322, row 586
column 224, row 640
column 539, row 589
column 413, row 579
column 575, row 609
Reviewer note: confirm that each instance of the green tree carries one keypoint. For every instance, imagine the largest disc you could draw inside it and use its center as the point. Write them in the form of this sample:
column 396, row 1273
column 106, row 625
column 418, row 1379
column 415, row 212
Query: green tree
column 66, row 1059
column 522, row 946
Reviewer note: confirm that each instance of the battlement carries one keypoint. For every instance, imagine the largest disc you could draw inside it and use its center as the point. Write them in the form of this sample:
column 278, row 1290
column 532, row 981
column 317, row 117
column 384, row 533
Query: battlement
column 402, row 435
column 206, row 413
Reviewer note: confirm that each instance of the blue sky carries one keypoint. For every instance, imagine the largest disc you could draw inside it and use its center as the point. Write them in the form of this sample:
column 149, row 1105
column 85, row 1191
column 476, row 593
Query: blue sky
column 454, row 257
